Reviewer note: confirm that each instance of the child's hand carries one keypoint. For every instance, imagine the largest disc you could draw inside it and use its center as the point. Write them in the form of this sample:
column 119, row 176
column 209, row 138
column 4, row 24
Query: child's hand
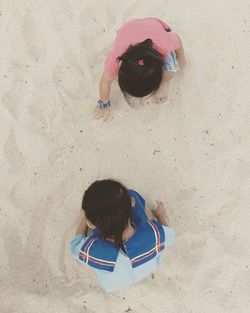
column 182, row 61
column 161, row 214
column 101, row 113
column 160, row 210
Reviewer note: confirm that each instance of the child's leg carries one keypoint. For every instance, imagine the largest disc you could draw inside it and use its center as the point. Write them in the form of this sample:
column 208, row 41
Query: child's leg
column 162, row 93
column 169, row 69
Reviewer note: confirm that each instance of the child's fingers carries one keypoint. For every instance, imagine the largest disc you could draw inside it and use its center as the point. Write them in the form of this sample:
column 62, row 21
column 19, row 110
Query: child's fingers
column 160, row 204
column 106, row 115
column 157, row 206
column 101, row 114
column 96, row 113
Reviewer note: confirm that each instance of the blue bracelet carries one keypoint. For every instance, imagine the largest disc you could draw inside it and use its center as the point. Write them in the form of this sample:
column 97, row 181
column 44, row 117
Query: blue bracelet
column 103, row 105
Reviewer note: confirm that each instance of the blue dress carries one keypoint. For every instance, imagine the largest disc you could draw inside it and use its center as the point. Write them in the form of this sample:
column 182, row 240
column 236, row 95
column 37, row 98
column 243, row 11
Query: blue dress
column 114, row 268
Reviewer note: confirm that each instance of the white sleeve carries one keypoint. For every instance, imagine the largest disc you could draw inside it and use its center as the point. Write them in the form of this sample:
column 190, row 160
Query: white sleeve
column 169, row 235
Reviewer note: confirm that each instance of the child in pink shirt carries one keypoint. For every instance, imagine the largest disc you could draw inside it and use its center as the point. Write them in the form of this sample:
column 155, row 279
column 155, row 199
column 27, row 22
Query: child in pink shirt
column 144, row 57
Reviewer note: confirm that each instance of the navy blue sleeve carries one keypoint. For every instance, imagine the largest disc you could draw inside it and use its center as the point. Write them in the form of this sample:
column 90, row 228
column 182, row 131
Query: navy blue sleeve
column 138, row 211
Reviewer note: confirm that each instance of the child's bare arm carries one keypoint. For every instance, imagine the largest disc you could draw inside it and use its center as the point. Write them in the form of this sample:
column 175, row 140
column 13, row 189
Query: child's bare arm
column 105, row 88
column 82, row 228
column 180, row 54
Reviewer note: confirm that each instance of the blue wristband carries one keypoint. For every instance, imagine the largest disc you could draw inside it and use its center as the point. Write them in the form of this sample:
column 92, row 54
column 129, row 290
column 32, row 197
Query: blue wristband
column 103, row 105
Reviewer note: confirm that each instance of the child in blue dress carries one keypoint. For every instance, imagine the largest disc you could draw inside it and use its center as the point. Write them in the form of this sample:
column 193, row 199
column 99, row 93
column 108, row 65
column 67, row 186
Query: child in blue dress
column 125, row 246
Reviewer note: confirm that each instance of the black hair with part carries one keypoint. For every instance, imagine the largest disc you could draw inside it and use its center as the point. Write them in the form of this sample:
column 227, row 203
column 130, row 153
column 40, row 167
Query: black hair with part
column 107, row 205
column 141, row 69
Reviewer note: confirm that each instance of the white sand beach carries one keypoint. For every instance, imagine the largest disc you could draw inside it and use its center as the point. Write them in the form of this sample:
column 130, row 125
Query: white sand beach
column 192, row 152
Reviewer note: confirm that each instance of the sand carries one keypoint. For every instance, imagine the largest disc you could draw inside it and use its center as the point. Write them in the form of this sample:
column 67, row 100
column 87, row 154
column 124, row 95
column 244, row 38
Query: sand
column 193, row 152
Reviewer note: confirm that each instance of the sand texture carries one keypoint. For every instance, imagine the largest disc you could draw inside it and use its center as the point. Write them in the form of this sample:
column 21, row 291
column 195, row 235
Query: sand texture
column 193, row 152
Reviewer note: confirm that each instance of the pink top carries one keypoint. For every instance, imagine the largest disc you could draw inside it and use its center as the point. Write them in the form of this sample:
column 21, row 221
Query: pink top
column 136, row 31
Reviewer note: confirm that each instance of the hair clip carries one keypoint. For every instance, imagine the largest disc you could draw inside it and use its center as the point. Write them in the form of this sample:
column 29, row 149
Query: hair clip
column 141, row 62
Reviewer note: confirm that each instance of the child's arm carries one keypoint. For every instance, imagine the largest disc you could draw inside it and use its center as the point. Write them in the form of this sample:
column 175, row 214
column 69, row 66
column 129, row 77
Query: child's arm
column 82, row 228
column 160, row 213
column 180, row 55
column 105, row 88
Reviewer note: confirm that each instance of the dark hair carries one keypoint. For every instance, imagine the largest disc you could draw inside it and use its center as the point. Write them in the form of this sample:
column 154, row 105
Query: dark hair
column 140, row 71
column 107, row 205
